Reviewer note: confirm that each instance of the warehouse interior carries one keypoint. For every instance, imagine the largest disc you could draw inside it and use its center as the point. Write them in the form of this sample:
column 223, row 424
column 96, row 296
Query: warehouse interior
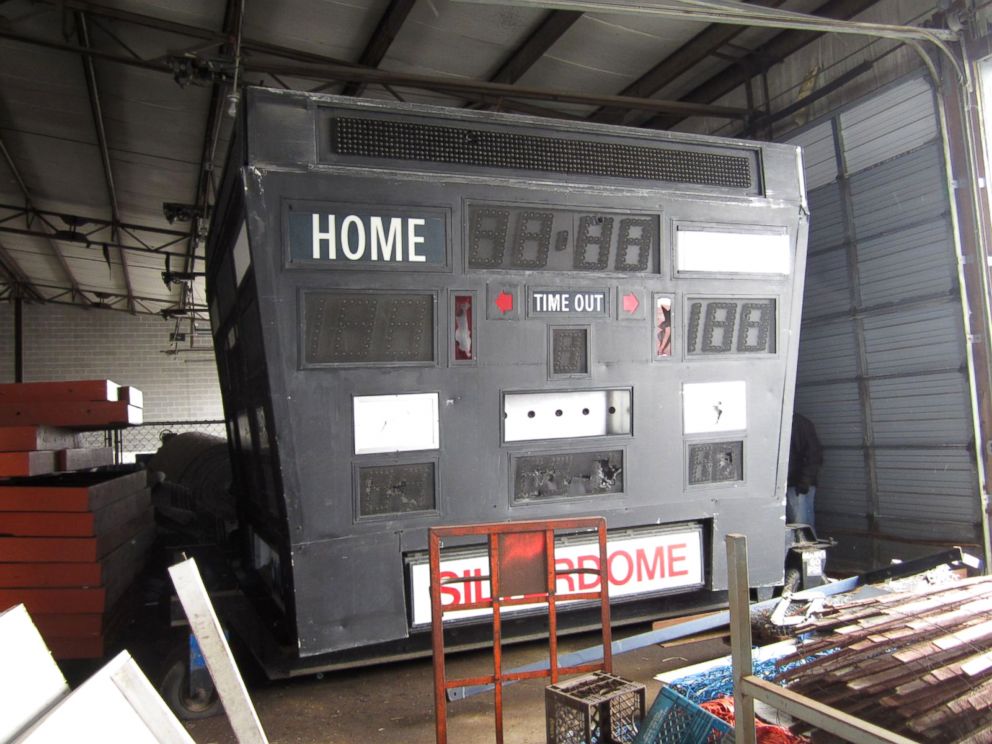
column 116, row 126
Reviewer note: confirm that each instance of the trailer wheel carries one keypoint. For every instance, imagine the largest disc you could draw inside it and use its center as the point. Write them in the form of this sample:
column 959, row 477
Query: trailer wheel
column 793, row 578
column 175, row 691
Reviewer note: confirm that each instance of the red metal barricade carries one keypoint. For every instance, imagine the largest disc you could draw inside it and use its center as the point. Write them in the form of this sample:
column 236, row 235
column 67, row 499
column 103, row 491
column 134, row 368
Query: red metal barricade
column 522, row 571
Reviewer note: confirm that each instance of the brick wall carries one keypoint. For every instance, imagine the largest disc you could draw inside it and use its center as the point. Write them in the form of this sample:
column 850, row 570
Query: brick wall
column 67, row 343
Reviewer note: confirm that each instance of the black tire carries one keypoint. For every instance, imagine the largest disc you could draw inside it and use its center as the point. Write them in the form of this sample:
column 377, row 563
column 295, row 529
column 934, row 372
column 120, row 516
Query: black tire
column 793, row 578
column 175, row 691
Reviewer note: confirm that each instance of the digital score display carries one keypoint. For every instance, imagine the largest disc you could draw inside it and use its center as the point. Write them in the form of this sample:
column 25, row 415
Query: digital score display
column 526, row 238
column 368, row 327
column 731, row 326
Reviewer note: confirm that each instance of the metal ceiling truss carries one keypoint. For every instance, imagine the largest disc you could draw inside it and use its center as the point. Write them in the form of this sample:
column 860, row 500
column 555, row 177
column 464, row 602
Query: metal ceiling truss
column 99, row 299
column 56, row 251
column 552, row 27
column 219, row 59
column 89, row 231
column 19, row 284
column 99, row 125
column 774, row 51
column 382, row 38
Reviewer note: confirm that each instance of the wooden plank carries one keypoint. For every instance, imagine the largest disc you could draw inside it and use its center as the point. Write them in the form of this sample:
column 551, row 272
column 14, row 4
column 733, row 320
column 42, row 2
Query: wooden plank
column 76, row 647
column 83, row 458
column 62, row 600
column 27, row 438
column 68, row 391
column 71, row 414
column 19, row 575
column 66, row 625
column 76, row 492
column 117, row 704
column 30, row 682
column 115, row 571
column 77, row 524
column 39, row 462
column 69, row 549
column 216, row 652
column 132, row 396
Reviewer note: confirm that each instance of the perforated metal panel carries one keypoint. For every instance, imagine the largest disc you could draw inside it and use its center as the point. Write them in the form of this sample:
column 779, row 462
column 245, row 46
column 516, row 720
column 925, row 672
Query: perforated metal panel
column 401, row 140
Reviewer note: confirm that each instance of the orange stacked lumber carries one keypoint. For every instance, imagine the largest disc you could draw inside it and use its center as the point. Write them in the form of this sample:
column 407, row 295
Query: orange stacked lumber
column 40, row 424
column 70, row 546
column 76, row 404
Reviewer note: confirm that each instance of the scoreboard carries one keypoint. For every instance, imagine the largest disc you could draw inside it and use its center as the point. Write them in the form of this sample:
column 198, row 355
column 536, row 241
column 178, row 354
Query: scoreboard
column 430, row 316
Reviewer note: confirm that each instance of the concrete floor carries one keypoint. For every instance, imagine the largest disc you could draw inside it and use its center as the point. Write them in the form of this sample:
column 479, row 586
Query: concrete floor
column 394, row 702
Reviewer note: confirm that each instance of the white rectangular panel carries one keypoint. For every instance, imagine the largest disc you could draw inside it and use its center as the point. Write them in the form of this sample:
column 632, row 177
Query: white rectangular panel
column 728, row 251
column 636, row 565
column 30, row 681
column 565, row 415
column 242, row 255
column 714, row 406
column 396, row 423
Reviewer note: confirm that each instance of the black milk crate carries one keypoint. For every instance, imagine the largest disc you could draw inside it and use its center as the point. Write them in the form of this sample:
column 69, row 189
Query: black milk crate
column 598, row 708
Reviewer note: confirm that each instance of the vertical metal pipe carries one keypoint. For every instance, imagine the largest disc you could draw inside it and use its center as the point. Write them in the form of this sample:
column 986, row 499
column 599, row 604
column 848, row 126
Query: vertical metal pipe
column 437, row 632
column 552, row 589
column 18, row 340
column 496, row 595
column 740, row 636
column 604, row 603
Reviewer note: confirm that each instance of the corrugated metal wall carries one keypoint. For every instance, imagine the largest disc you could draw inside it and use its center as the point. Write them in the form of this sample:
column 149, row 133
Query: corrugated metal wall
column 882, row 358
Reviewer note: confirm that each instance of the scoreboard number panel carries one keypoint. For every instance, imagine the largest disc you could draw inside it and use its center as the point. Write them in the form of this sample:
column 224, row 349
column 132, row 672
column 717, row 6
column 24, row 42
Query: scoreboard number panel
column 364, row 328
column 513, row 237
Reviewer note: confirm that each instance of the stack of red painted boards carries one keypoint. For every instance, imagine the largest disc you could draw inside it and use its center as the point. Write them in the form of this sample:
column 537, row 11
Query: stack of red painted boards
column 40, row 421
column 73, row 535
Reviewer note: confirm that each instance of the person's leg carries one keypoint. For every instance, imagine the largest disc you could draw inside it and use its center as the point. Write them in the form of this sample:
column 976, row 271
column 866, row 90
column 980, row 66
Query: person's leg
column 791, row 505
column 809, row 507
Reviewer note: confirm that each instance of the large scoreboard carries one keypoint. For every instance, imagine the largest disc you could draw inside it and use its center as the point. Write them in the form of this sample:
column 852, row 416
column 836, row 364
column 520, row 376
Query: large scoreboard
column 429, row 316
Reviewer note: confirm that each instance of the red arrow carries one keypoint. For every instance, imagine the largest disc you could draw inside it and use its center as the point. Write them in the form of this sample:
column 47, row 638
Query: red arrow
column 630, row 304
column 504, row 301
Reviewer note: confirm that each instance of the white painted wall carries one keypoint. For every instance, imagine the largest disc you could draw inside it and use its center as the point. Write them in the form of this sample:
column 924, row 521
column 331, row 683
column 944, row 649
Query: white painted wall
column 68, row 343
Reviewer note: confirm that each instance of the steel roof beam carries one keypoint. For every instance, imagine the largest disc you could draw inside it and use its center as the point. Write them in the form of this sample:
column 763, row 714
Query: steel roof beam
column 705, row 43
column 551, row 29
column 496, row 90
column 382, row 38
column 777, row 49
column 59, row 257
column 93, row 92
column 216, row 37
column 18, row 278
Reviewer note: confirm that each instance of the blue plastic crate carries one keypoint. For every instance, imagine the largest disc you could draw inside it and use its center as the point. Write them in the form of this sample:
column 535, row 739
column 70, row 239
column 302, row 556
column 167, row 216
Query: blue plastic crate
column 674, row 719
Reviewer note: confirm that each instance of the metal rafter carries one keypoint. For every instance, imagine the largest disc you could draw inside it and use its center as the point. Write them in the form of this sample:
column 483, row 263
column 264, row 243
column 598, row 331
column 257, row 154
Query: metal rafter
column 777, row 49
column 382, row 38
column 552, row 27
column 18, row 279
column 705, row 43
column 96, row 109
column 492, row 92
column 482, row 92
column 59, row 257
column 90, row 231
column 218, row 38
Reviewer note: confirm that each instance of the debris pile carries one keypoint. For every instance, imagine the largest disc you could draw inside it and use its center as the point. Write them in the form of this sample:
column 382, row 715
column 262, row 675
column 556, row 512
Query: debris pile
column 916, row 663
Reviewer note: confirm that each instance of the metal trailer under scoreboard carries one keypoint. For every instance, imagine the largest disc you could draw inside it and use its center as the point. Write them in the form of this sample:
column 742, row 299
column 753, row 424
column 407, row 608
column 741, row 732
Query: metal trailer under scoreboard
column 428, row 316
